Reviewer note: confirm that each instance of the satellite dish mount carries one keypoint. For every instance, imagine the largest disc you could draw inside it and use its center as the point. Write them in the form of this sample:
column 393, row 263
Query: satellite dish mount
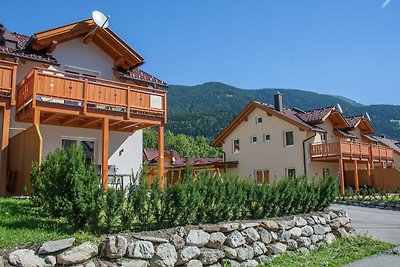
column 101, row 22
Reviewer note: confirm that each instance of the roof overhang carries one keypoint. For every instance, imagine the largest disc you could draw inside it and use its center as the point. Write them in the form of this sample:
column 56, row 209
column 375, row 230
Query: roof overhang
column 219, row 140
column 124, row 56
column 337, row 119
column 365, row 126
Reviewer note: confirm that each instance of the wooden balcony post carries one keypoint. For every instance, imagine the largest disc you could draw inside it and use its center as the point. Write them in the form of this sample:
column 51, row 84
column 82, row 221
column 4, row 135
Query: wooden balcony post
column 104, row 159
column 370, row 179
column 356, row 186
column 341, row 168
column 161, row 155
column 382, row 164
column 128, row 103
column 85, row 95
column 35, row 89
column 4, row 149
column 14, row 86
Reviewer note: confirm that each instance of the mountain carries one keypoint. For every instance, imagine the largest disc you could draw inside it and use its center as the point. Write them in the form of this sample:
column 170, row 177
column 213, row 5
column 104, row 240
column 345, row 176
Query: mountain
column 208, row 108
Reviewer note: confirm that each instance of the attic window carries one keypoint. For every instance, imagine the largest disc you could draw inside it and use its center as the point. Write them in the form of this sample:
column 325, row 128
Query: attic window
column 259, row 120
column 10, row 44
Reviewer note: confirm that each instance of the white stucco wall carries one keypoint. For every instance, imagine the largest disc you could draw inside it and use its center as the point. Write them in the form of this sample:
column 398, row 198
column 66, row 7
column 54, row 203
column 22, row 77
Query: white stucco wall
column 272, row 155
column 89, row 56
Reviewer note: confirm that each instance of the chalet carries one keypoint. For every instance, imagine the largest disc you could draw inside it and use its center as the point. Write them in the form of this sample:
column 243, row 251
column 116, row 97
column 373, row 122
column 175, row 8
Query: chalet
column 175, row 165
column 271, row 142
column 75, row 84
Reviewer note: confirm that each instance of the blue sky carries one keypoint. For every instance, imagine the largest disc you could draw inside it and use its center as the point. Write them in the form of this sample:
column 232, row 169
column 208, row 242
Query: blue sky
column 344, row 47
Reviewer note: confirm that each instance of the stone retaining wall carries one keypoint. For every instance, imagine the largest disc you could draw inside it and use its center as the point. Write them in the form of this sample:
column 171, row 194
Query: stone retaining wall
column 393, row 205
column 238, row 243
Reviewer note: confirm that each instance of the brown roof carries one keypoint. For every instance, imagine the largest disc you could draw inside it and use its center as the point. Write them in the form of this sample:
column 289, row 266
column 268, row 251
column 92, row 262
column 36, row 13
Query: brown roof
column 140, row 75
column 353, row 120
column 315, row 116
column 22, row 52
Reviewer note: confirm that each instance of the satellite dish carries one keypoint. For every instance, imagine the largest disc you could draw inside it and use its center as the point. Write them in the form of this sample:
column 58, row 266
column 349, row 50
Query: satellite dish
column 367, row 115
column 100, row 19
column 339, row 108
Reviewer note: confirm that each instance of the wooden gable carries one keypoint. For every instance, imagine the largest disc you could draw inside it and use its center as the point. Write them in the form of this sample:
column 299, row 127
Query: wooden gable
column 123, row 55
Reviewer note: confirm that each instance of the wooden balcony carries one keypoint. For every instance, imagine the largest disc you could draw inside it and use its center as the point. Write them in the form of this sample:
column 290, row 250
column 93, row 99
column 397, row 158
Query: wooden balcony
column 81, row 101
column 8, row 77
column 332, row 151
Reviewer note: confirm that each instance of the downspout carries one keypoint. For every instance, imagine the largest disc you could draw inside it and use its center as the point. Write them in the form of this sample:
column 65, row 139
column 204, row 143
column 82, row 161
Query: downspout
column 304, row 152
column 225, row 166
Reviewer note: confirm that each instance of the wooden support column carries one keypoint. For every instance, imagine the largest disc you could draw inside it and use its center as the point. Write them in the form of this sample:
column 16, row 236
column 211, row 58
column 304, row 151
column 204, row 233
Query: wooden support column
column 4, row 149
column 356, row 186
column 36, row 117
column 382, row 164
column 161, row 155
column 104, row 159
column 369, row 174
column 341, row 168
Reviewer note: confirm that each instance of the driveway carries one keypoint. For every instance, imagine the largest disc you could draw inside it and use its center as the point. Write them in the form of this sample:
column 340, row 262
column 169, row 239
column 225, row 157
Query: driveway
column 381, row 224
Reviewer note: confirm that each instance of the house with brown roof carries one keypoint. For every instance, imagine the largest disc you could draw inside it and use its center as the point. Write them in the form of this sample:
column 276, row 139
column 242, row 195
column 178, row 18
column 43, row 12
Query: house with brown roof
column 271, row 142
column 175, row 165
column 75, row 84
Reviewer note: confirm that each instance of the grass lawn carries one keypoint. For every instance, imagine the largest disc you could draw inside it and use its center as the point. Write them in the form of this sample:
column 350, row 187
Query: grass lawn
column 341, row 252
column 22, row 223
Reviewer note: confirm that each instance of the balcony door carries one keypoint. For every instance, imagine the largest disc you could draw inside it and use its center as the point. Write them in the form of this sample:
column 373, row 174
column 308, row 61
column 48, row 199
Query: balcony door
column 88, row 147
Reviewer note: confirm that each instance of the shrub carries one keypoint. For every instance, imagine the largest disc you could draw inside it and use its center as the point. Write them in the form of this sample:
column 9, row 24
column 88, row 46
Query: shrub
column 66, row 187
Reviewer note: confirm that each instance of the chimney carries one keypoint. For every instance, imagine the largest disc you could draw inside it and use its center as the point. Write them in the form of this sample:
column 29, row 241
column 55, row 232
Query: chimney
column 278, row 102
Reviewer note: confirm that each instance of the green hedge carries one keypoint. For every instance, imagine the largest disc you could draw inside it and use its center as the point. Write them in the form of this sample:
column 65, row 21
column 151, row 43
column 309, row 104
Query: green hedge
column 209, row 198
column 66, row 187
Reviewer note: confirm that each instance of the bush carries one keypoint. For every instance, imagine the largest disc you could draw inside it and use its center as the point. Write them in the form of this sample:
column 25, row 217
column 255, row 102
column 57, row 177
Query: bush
column 66, row 187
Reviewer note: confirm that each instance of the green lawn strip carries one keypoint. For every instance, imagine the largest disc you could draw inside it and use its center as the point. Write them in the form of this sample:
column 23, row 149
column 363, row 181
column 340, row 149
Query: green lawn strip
column 341, row 252
column 22, row 223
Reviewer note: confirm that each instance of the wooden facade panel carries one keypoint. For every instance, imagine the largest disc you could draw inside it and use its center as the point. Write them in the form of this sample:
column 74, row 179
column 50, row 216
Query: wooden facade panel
column 8, row 74
column 24, row 149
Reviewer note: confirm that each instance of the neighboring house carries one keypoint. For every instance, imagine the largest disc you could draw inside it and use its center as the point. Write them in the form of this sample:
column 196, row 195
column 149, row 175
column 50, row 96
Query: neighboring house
column 74, row 84
column 394, row 144
column 175, row 165
column 271, row 142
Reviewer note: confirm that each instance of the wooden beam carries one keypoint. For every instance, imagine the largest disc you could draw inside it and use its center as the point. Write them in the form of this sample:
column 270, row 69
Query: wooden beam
column 91, row 122
column 104, row 161
column 68, row 121
column 52, row 116
column 4, row 150
column 161, row 155
column 341, row 167
column 128, row 126
column 89, row 37
column 51, row 47
column 356, row 185
column 115, row 123
column 119, row 62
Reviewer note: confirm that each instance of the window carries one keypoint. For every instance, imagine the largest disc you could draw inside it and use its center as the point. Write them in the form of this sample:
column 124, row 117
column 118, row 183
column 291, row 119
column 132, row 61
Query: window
column 261, row 176
column 253, row 139
column 325, row 172
column 289, row 140
column 258, row 120
column 324, row 137
column 87, row 146
column 267, row 138
column 235, row 146
column 290, row 173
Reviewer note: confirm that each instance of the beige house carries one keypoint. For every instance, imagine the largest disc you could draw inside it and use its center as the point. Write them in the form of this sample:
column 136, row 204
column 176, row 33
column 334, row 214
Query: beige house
column 271, row 142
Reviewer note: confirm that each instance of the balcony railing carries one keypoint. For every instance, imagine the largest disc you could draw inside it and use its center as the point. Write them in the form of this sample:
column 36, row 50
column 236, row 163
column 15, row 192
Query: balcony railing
column 351, row 150
column 8, row 77
column 89, row 93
